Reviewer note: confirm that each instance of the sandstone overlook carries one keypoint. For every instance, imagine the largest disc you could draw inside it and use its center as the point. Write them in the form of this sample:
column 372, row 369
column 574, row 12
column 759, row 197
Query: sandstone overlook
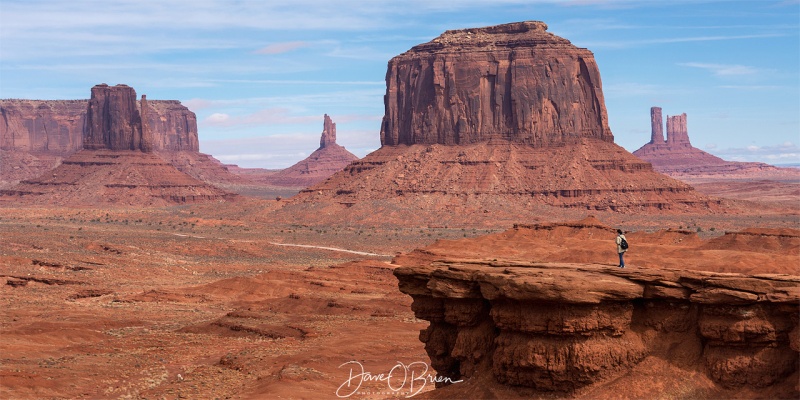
column 515, row 318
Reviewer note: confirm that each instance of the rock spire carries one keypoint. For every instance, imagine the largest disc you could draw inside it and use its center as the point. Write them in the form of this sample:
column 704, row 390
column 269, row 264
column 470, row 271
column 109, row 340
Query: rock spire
column 328, row 133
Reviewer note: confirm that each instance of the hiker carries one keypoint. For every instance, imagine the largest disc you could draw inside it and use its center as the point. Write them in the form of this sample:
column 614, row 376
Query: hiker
column 622, row 247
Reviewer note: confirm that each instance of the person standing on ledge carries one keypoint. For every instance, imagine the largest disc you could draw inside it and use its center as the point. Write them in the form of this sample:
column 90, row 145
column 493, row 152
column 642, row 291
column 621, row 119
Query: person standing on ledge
column 622, row 247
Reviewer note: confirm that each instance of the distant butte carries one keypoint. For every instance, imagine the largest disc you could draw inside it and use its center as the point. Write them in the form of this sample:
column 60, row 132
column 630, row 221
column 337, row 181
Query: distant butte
column 328, row 159
column 497, row 119
column 676, row 156
column 116, row 165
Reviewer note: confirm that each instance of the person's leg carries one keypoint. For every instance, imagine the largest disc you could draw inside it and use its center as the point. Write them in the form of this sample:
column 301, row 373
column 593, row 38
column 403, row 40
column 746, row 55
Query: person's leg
column 621, row 260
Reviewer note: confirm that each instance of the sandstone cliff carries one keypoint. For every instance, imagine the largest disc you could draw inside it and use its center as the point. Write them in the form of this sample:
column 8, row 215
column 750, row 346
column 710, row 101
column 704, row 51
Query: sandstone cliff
column 514, row 325
column 51, row 126
column 515, row 82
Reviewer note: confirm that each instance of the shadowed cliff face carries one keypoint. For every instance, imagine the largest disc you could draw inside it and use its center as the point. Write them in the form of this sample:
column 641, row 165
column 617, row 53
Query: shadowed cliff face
column 588, row 330
column 515, row 81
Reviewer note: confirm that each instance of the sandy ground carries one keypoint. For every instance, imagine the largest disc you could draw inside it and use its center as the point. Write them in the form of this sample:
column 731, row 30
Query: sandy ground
column 220, row 301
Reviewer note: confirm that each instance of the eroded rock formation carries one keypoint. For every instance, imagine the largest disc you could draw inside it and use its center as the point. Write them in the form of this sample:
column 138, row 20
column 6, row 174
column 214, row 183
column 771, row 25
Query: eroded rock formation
column 677, row 157
column 113, row 120
column 327, row 160
column 582, row 330
column 118, row 177
column 515, row 82
column 117, row 164
column 508, row 116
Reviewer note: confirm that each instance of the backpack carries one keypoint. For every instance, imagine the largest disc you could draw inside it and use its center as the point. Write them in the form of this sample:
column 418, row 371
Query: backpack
column 623, row 244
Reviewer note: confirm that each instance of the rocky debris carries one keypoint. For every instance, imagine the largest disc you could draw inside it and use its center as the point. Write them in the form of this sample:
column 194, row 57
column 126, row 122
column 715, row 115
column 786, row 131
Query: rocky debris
column 327, row 160
column 677, row 157
column 515, row 82
column 571, row 329
column 503, row 117
column 123, row 178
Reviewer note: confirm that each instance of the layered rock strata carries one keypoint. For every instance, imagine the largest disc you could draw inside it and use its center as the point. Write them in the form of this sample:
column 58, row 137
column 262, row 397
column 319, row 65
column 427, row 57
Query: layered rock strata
column 327, row 160
column 563, row 329
column 42, row 126
column 515, row 82
column 118, row 177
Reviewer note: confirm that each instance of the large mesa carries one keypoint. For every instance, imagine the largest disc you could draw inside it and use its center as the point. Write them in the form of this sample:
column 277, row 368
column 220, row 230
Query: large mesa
column 494, row 121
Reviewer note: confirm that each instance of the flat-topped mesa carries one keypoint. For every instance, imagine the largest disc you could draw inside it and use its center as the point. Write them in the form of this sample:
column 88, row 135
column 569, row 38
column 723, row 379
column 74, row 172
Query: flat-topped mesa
column 515, row 82
column 328, row 133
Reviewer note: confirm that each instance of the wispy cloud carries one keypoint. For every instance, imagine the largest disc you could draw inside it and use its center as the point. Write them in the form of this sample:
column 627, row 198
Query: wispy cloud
column 280, row 48
column 269, row 116
column 786, row 152
column 621, row 44
column 723, row 69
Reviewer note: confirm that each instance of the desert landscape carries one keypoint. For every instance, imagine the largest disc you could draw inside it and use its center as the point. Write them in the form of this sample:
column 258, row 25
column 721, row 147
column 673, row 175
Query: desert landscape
column 471, row 256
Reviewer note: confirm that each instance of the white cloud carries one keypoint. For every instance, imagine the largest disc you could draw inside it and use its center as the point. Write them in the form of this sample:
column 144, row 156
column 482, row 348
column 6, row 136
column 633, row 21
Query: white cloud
column 786, row 152
column 218, row 119
column 722, row 69
column 279, row 48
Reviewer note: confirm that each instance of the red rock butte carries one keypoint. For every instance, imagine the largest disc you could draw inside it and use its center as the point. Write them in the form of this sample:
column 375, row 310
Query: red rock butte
column 328, row 159
column 498, row 118
column 515, row 81
column 676, row 156
column 117, row 165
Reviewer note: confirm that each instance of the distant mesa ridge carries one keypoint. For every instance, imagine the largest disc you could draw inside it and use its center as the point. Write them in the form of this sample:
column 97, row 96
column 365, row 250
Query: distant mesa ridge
column 117, row 163
column 59, row 126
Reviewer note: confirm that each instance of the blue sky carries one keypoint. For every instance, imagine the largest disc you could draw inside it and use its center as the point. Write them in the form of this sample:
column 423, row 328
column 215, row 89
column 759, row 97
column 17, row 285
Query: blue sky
column 261, row 74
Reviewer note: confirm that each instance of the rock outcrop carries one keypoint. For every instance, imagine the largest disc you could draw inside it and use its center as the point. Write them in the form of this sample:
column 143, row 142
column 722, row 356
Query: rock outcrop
column 677, row 157
column 504, row 117
column 537, row 328
column 515, row 82
column 327, row 160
